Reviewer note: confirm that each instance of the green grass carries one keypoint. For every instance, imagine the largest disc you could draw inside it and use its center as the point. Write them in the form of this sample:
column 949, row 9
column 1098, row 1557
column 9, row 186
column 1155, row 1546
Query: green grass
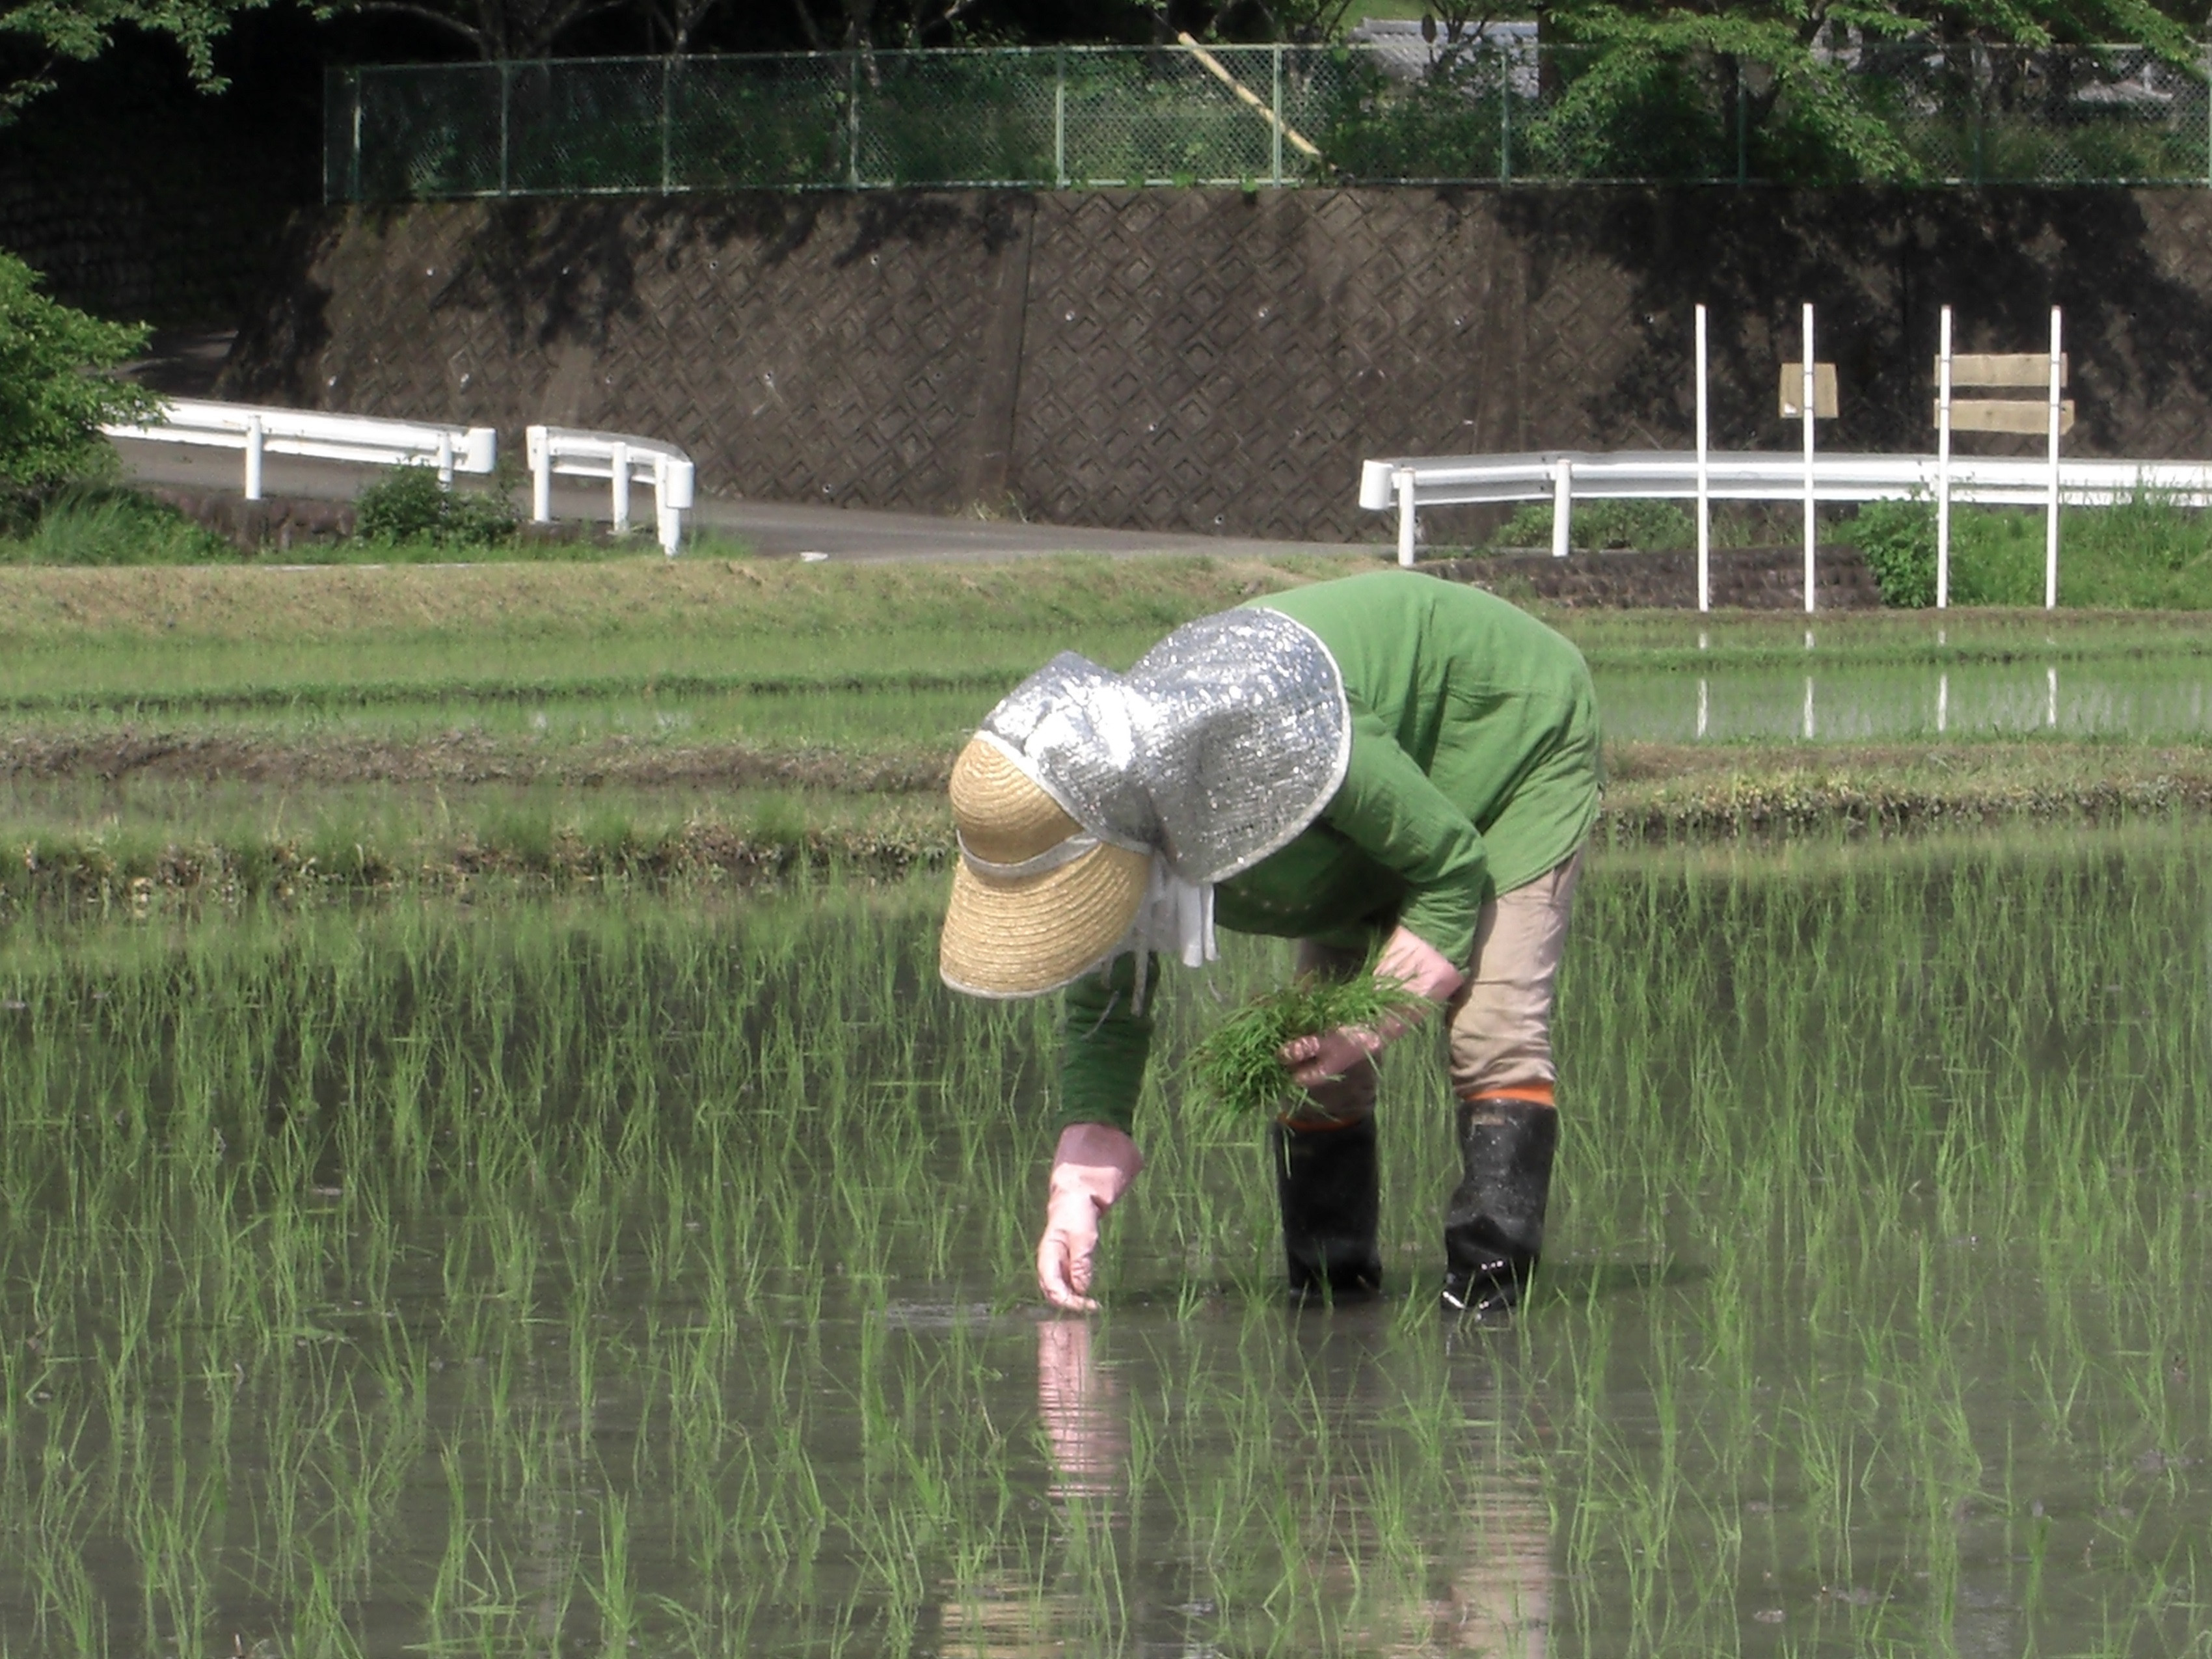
column 504, row 1276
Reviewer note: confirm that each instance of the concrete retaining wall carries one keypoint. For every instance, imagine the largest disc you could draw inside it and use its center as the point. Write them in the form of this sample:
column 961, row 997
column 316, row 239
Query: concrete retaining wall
column 1185, row 359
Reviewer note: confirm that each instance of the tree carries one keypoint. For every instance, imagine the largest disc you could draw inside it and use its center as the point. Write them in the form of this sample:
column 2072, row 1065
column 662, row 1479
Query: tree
column 53, row 396
column 1625, row 84
column 46, row 33
column 498, row 31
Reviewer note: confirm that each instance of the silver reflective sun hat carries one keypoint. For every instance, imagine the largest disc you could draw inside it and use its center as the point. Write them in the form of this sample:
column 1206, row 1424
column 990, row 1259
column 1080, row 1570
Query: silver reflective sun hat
column 1220, row 744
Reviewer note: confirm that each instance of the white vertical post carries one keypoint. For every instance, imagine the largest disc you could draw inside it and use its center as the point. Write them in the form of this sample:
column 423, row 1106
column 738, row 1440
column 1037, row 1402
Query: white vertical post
column 1705, row 709
column 1806, row 403
column 2051, row 707
column 1942, row 703
column 1808, row 708
column 1404, row 479
column 445, row 460
column 253, row 440
column 1704, row 503
column 2051, row 523
column 620, row 485
column 541, row 475
column 1562, row 504
column 1943, row 469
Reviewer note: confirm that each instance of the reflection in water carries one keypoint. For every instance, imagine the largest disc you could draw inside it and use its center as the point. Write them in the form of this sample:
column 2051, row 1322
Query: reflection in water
column 1356, row 1455
column 1077, row 1403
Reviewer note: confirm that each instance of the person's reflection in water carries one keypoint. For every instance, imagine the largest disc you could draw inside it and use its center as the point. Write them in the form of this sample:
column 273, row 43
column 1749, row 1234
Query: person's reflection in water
column 1079, row 1404
column 1486, row 1587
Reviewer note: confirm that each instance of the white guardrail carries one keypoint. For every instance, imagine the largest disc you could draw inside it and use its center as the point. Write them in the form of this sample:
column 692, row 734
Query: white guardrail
column 364, row 441
column 622, row 460
column 1410, row 483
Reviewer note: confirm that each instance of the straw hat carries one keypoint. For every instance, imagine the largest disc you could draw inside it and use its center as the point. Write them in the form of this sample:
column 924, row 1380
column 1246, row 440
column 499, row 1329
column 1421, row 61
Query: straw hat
column 1036, row 901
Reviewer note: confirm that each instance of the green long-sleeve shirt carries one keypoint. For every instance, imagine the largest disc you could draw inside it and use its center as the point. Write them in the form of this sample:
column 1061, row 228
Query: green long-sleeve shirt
column 1473, row 770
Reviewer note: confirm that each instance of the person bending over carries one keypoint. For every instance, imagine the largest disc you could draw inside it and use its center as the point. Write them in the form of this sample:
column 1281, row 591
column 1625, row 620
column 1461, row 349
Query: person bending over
column 1386, row 760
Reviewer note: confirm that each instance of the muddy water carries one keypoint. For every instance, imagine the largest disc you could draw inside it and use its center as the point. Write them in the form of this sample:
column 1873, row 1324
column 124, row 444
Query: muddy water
column 605, row 1278
column 2150, row 702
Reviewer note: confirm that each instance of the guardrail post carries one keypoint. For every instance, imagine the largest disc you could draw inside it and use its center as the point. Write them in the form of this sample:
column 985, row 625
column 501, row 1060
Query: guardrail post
column 541, row 475
column 620, row 485
column 1562, row 504
column 253, row 439
column 672, row 489
column 1404, row 480
column 445, row 460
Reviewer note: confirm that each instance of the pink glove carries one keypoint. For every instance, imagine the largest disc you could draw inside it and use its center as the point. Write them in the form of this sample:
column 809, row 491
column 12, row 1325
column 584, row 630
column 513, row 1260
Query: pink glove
column 1091, row 1167
column 1414, row 963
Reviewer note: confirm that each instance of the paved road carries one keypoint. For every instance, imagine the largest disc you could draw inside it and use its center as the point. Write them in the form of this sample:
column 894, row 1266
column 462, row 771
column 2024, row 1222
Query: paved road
column 772, row 528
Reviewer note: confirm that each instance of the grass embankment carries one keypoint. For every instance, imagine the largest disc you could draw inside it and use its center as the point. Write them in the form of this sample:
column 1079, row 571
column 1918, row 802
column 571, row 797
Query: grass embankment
column 249, row 729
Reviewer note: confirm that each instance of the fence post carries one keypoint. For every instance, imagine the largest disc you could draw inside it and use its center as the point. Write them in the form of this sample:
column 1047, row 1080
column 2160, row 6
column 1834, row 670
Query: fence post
column 1742, row 125
column 853, row 119
column 1974, row 110
column 1277, row 107
column 2208, row 118
column 667, row 97
column 1060, row 117
column 505, row 100
column 1505, row 119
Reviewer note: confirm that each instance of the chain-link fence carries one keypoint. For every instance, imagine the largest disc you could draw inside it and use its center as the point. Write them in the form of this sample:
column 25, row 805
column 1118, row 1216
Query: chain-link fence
column 1392, row 113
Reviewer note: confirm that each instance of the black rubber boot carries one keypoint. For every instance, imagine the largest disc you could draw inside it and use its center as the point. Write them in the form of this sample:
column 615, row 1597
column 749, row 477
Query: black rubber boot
column 1329, row 1187
column 1494, row 1225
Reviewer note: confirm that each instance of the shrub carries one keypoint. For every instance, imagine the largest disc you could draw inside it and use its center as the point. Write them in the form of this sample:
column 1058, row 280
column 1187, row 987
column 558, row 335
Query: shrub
column 1645, row 526
column 51, row 408
column 409, row 504
column 1897, row 541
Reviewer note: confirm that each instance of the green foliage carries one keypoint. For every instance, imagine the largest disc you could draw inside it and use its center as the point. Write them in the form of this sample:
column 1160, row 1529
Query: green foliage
column 83, row 29
column 85, row 524
column 1238, row 1066
column 2144, row 553
column 409, row 505
column 1897, row 541
column 1645, row 526
column 50, row 409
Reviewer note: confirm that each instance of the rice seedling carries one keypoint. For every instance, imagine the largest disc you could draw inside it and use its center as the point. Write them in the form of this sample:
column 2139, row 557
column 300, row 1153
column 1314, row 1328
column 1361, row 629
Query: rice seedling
column 1239, row 1066
column 527, row 1273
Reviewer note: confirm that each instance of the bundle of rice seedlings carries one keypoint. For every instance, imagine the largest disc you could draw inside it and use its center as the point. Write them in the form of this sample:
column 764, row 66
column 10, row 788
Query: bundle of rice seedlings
column 1238, row 1066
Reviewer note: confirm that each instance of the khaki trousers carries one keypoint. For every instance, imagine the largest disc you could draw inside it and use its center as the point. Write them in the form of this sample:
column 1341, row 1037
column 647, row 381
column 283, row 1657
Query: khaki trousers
column 1500, row 1021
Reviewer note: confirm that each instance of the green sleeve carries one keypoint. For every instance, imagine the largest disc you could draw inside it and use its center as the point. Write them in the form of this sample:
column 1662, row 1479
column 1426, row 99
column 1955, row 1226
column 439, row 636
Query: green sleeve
column 1104, row 1044
column 1388, row 809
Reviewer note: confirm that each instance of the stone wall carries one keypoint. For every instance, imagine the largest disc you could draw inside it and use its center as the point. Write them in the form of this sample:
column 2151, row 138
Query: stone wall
column 1213, row 360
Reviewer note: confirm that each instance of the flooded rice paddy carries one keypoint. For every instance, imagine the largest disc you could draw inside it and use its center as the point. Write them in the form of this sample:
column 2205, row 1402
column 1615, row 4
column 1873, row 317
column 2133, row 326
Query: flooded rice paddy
column 2151, row 701
column 594, row 1277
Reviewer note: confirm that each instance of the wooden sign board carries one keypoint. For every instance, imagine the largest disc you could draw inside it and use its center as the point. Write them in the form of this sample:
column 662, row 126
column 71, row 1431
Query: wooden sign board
column 1824, row 390
column 2015, row 415
column 2002, row 368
